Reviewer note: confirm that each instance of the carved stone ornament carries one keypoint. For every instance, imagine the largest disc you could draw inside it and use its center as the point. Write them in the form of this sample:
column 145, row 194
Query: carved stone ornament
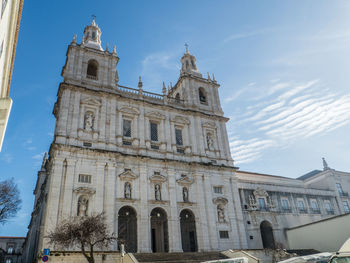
column 185, row 180
column 84, row 190
column 127, row 176
column 210, row 125
column 83, row 204
column 90, row 101
column 260, row 192
column 157, row 178
column 129, row 110
column 220, row 200
column 155, row 115
column 180, row 120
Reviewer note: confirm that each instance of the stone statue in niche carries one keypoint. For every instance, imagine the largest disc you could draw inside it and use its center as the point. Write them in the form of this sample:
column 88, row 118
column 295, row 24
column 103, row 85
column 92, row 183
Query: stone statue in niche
column 210, row 141
column 127, row 190
column 221, row 213
column 157, row 192
column 83, row 203
column 185, row 194
column 89, row 121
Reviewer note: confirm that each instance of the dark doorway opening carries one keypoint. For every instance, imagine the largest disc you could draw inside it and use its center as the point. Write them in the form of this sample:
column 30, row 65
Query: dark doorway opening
column 159, row 230
column 267, row 235
column 188, row 231
column 127, row 228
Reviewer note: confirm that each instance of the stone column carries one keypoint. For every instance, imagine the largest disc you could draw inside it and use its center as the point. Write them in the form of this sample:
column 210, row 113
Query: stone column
column 202, row 225
column 236, row 216
column 143, row 222
column 173, row 218
column 211, row 213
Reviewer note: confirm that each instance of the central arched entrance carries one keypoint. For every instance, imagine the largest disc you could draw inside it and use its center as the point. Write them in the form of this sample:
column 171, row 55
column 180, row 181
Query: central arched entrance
column 159, row 230
column 127, row 228
column 188, row 231
column 267, row 235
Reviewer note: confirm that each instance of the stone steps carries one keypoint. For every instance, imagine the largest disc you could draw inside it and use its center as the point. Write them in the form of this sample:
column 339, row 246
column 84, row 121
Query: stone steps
column 179, row 257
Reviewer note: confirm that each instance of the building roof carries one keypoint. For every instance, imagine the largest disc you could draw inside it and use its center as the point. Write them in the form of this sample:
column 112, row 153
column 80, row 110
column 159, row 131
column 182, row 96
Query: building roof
column 309, row 174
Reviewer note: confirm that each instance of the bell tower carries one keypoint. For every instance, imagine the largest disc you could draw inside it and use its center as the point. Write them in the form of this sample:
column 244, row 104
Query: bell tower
column 88, row 64
column 193, row 90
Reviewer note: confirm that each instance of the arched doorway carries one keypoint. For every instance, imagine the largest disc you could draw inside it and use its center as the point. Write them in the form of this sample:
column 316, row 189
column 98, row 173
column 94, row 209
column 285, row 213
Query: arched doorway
column 188, row 231
column 127, row 228
column 159, row 230
column 267, row 235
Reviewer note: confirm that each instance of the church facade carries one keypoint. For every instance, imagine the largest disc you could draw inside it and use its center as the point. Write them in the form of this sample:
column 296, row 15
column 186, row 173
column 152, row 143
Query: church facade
column 159, row 165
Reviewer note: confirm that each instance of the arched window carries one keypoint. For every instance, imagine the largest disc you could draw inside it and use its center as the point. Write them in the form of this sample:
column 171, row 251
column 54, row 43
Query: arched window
column 202, row 96
column 92, row 69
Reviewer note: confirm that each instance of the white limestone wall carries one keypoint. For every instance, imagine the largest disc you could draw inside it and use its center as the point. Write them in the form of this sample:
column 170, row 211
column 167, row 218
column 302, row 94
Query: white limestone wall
column 106, row 193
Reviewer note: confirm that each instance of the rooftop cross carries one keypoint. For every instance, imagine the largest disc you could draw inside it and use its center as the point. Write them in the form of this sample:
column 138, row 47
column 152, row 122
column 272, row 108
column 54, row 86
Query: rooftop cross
column 186, row 46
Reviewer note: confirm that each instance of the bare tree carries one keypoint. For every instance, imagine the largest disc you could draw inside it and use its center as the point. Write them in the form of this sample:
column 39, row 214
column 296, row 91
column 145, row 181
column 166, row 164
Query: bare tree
column 85, row 232
column 10, row 201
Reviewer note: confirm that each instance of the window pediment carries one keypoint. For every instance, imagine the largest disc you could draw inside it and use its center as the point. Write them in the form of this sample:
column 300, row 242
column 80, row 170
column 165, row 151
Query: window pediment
column 180, row 120
column 127, row 176
column 185, row 181
column 260, row 192
column 90, row 101
column 129, row 110
column 154, row 115
column 158, row 178
column 209, row 125
column 220, row 200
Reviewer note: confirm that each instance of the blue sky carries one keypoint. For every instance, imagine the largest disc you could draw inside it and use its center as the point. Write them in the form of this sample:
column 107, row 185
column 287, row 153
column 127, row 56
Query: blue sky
column 283, row 67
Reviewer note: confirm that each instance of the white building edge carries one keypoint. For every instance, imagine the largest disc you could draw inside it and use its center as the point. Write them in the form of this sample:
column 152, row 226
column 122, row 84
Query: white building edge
column 159, row 166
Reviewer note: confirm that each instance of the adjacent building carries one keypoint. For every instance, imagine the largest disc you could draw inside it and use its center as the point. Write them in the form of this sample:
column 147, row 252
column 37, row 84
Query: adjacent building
column 11, row 249
column 9, row 27
column 159, row 166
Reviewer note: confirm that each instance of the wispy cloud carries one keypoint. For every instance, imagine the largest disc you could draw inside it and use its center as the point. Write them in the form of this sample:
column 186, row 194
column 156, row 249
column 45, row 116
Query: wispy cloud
column 7, row 158
column 38, row 156
column 156, row 65
column 247, row 34
column 287, row 113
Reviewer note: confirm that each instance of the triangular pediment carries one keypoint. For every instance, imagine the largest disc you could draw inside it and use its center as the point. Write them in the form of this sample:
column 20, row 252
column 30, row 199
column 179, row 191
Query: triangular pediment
column 180, row 120
column 210, row 125
column 155, row 115
column 157, row 178
column 90, row 101
column 127, row 175
column 129, row 110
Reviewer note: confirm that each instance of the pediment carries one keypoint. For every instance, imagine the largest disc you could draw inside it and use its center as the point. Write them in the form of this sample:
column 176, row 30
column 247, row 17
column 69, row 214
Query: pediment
column 260, row 192
column 155, row 115
column 185, row 180
column 210, row 125
column 127, row 175
column 129, row 110
column 158, row 178
column 85, row 190
column 180, row 120
column 90, row 101
column 220, row 200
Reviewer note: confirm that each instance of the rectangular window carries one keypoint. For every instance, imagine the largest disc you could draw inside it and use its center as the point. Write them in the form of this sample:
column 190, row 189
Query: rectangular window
column 328, row 207
column 285, row 204
column 84, row 178
column 8, row 260
column 339, row 188
column 126, row 128
column 314, row 206
column 154, row 131
column 223, row 234
column 346, row 207
column 262, row 203
column 178, row 136
column 218, row 189
column 301, row 205
column 10, row 250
